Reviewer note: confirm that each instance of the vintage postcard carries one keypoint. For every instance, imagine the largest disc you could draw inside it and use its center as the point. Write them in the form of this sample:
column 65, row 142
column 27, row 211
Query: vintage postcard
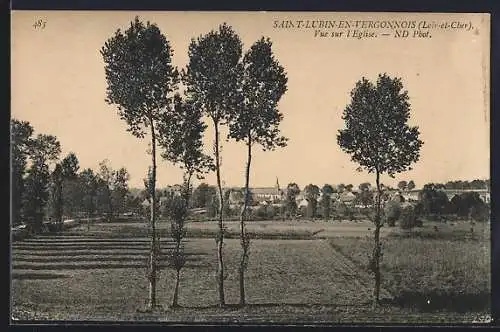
column 250, row 167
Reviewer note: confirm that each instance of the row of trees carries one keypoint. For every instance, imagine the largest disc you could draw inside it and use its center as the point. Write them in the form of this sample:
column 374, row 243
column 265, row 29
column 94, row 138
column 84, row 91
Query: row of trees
column 31, row 158
column 319, row 200
column 404, row 185
column 45, row 187
column 229, row 88
column 435, row 202
column 465, row 185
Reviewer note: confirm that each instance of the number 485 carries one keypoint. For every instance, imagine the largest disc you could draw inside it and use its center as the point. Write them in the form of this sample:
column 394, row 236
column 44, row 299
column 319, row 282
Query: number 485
column 39, row 24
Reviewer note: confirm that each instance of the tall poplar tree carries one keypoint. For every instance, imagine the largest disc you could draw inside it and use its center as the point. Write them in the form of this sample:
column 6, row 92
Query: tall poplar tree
column 140, row 80
column 263, row 83
column 212, row 84
column 180, row 134
column 378, row 137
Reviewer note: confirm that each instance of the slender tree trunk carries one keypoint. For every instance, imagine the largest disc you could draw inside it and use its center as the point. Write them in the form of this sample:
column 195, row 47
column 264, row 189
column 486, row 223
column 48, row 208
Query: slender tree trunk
column 220, row 237
column 186, row 196
column 377, row 248
column 58, row 204
column 327, row 208
column 177, row 277
column 108, row 208
column 176, row 289
column 153, row 252
column 60, row 207
column 187, row 193
column 243, row 235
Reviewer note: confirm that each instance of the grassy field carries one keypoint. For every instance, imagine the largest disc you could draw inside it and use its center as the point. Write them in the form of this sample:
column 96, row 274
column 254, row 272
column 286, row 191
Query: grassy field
column 100, row 275
column 440, row 266
column 299, row 229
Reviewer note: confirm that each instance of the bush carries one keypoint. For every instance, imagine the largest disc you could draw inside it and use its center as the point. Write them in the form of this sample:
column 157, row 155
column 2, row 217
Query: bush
column 408, row 218
column 261, row 212
column 303, row 211
column 479, row 212
column 54, row 227
column 271, row 212
column 392, row 212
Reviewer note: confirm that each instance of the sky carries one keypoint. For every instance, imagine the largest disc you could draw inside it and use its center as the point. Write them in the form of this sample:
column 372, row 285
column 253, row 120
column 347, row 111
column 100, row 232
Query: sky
column 58, row 85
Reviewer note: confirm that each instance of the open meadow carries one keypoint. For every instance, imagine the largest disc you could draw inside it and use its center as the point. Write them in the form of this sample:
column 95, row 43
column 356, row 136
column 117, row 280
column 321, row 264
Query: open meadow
column 298, row 272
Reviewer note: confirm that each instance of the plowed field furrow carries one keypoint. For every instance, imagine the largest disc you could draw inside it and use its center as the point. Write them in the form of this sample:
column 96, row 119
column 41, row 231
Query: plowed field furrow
column 48, row 238
column 93, row 252
column 341, row 270
column 361, row 277
column 87, row 241
column 92, row 266
column 84, row 246
column 89, row 258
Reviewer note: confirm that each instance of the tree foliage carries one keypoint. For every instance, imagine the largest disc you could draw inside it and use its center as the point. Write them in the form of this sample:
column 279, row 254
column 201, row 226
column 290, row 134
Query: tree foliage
column 469, row 204
column 364, row 196
column 139, row 74
column 402, row 185
column 466, row 185
column 212, row 75
column 88, row 182
column 411, row 185
column 292, row 190
column 70, row 166
column 377, row 134
column 311, row 193
column 20, row 139
column 434, row 200
column 408, row 218
column 364, row 186
column 120, row 190
column 177, row 210
column 180, row 134
column 263, row 83
column 56, row 194
column 71, row 190
column 201, row 195
column 42, row 150
column 392, row 212
column 148, row 189
column 326, row 200
column 35, row 196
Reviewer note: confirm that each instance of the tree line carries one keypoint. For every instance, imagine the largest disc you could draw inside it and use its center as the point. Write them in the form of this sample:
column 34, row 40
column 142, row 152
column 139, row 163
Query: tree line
column 48, row 188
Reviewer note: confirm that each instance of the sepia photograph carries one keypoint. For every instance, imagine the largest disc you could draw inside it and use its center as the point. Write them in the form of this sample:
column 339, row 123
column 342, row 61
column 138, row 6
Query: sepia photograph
column 250, row 167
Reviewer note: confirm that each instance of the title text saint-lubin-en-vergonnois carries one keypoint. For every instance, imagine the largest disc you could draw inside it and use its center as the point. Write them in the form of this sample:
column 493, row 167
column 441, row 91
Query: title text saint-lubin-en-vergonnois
column 344, row 24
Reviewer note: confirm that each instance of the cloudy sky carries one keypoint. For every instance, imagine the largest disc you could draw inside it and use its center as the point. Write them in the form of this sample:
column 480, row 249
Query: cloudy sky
column 58, row 85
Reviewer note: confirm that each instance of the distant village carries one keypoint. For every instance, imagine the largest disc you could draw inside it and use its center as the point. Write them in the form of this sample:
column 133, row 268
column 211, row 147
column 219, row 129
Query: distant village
column 275, row 195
